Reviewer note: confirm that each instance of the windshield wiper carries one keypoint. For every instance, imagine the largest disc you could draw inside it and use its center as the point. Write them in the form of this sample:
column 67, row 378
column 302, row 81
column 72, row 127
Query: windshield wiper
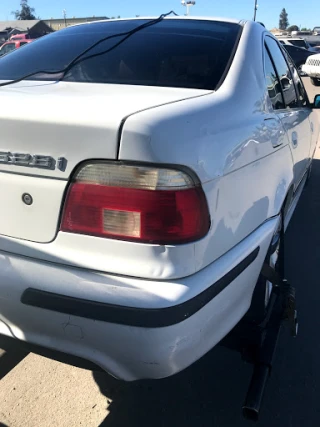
column 78, row 58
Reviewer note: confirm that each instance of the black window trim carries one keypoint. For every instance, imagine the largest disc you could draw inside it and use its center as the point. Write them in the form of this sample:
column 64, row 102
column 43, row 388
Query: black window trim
column 230, row 61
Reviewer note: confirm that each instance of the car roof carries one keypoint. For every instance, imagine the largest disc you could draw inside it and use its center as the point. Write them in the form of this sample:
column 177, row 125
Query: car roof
column 186, row 18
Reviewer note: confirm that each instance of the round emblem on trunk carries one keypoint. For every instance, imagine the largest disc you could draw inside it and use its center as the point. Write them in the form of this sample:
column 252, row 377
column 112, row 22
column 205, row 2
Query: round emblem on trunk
column 27, row 199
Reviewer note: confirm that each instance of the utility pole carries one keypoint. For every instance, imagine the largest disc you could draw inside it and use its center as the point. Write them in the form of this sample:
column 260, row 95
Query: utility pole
column 255, row 9
column 65, row 17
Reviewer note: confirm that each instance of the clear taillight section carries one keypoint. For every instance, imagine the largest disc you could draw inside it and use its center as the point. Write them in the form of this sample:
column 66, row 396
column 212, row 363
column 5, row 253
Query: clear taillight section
column 137, row 203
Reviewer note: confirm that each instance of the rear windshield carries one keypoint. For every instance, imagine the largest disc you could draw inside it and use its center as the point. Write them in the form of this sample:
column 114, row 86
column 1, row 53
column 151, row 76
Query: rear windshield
column 173, row 53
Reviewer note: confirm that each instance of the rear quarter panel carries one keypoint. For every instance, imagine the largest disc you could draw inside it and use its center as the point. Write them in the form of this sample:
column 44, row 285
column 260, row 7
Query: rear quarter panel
column 225, row 139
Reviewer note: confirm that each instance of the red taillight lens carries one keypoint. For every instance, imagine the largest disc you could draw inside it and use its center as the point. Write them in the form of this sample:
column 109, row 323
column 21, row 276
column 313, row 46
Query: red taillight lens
column 137, row 203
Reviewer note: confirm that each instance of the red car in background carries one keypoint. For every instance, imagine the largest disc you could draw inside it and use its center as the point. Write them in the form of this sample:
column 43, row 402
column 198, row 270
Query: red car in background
column 12, row 45
column 22, row 36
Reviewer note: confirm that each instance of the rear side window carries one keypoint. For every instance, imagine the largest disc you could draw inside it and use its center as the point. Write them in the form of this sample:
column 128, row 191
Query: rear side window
column 284, row 74
column 173, row 53
column 273, row 83
column 302, row 94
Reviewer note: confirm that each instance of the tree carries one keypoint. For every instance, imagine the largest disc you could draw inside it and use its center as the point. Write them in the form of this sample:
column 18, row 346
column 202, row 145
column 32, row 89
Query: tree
column 293, row 28
column 306, row 29
column 283, row 20
column 25, row 12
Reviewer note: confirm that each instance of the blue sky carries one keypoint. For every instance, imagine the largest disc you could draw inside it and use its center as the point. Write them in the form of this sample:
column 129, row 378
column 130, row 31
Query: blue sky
column 268, row 11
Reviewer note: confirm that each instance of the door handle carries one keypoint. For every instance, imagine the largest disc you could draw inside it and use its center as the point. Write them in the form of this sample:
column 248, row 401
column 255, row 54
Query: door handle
column 294, row 139
column 272, row 124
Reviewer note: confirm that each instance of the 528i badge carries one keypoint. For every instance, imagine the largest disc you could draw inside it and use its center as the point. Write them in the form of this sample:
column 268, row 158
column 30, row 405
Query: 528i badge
column 35, row 160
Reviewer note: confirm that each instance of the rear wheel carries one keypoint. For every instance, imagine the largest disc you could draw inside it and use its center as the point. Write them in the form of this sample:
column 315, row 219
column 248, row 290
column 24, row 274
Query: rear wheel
column 315, row 81
column 261, row 295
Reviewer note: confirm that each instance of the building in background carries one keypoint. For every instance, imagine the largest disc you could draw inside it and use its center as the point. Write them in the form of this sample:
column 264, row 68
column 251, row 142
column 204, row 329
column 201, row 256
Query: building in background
column 275, row 31
column 35, row 28
column 58, row 24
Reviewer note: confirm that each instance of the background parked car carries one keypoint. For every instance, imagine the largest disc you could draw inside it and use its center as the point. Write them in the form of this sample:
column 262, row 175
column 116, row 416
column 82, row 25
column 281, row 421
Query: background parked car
column 312, row 68
column 12, row 45
column 23, row 36
column 299, row 42
column 298, row 55
column 308, row 36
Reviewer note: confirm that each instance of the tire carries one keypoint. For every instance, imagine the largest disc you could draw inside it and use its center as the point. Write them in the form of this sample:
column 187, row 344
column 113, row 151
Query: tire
column 261, row 295
column 315, row 81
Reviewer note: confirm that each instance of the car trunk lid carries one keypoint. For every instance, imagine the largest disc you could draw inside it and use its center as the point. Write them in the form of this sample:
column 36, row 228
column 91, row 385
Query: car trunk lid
column 49, row 128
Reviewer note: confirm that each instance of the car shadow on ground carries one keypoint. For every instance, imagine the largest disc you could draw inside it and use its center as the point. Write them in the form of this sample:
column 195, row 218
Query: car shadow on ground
column 9, row 360
column 193, row 397
column 211, row 392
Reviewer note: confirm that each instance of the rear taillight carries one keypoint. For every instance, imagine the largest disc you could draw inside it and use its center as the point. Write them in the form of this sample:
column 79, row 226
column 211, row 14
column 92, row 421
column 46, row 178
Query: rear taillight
column 137, row 203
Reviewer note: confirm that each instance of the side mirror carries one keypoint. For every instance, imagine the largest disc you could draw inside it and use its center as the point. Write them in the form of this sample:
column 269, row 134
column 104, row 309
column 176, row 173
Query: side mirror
column 316, row 103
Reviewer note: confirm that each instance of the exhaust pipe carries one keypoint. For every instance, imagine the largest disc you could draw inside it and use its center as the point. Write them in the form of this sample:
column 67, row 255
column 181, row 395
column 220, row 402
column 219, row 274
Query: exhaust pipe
column 252, row 405
column 263, row 364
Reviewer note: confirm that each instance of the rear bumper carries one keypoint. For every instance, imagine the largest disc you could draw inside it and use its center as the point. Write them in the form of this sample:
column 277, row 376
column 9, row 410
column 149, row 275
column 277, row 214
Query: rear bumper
column 160, row 329
column 134, row 316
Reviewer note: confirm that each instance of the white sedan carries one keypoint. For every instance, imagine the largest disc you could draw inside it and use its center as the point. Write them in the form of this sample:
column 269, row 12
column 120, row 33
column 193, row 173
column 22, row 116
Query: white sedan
column 146, row 167
column 312, row 69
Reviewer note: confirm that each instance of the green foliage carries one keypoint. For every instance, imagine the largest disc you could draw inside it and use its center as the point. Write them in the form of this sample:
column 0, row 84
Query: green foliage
column 293, row 28
column 25, row 13
column 283, row 20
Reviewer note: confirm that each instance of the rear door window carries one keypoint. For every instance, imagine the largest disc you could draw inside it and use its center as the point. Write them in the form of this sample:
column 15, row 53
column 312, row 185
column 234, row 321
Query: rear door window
column 273, row 83
column 173, row 53
column 284, row 73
